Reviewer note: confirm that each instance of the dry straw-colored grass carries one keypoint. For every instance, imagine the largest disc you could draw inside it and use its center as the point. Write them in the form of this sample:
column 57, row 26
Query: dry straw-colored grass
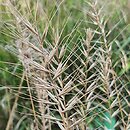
column 73, row 82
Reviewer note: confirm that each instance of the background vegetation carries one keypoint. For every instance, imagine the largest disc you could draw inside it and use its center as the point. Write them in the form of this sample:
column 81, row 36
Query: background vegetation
column 64, row 65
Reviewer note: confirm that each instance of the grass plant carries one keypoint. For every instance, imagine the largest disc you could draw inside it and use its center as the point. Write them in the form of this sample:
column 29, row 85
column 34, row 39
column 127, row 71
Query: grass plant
column 72, row 63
